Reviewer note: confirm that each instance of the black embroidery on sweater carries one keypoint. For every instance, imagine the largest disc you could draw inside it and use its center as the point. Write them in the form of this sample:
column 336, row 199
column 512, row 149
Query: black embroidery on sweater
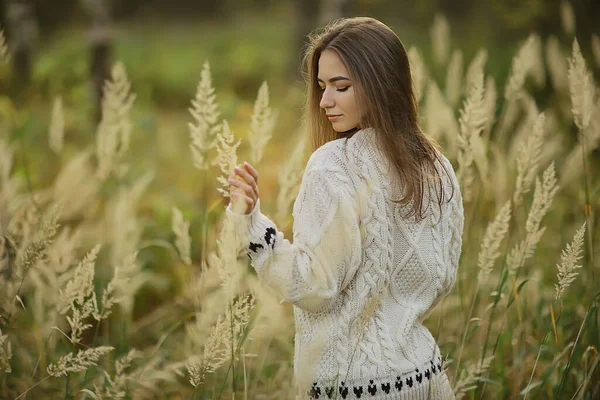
column 398, row 384
column 255, row 246
column 372, row 387
column 343, row 390
column 386, row 387
column 271, row 232
column 329, row 392
column 315, row 391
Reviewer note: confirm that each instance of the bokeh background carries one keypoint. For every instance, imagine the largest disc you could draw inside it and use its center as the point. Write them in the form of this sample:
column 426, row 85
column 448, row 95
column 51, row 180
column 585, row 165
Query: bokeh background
column 67, row 49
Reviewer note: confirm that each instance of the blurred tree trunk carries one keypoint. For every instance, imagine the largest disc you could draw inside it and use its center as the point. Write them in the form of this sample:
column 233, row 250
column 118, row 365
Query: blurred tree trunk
column 333, row 9
column 307, row 12
column 22, row 35
column 101, row 43
column 310, row 15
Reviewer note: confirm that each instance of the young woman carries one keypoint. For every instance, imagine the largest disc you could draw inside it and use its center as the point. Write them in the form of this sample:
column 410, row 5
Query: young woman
column 377, row 225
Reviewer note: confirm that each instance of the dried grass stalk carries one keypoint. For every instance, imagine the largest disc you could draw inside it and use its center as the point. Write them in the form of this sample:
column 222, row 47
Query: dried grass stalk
column 56, row 134
column 418, row 71
column 528, row 159
column 473, row 375
column 596, row 48
column 82, row 361
column 494, row 235
column 557, row 65
column 203, row 132
column 521, row 65
column 567, row 269
column 227, row 157
column 181, row 229
column 582, row 87
column 567, row 17
column 471, row 147
column 454, row 78
column 114, row 130
column 289, row 178
column 544, row 193
column 4, row 54
column 262, row 124
column 440, row 39
column 5, row 353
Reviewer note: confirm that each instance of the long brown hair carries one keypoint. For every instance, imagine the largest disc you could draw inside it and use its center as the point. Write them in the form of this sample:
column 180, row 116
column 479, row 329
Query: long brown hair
column 378, row 66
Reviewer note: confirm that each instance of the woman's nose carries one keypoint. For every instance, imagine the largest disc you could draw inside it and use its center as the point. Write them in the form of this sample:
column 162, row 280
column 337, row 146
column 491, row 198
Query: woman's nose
column 326, row 100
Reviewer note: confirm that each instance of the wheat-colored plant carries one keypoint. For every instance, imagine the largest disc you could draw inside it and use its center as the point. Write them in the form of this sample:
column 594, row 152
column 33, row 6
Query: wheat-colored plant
column 84, row 359
column 4, row 54
column 471, row 147
column 582, row 87
column 5, row 353
column 476, row 67
column 114, row 130
column 262, row 124
column 35, row 239
column 77, row 186
column 557, row 65
column 528, row 159
column 596, row 48
column 567, row 269
column 489, row 104
column 522, row 64
column 473, row 375
column 454, row 78
column 120, row 287
column 181, row 229
column 79, row 297
column 418, row 71
column 289, row 177
column 122, row 227
column 203, row 132
column 227, row 157
column 490, row 245
column 217, row 347
column 440, row 122
column 117, row 385
column 538, row 69
column 56, row 134
column 567, row 17
column 544, row 193
column 440, row 39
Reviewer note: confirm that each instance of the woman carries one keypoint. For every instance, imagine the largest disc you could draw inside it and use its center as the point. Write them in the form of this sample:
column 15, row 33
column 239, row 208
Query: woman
column 377, row 225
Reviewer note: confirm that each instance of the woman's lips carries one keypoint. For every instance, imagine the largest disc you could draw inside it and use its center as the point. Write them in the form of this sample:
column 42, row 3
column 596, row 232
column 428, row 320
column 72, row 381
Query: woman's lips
column 334, row 117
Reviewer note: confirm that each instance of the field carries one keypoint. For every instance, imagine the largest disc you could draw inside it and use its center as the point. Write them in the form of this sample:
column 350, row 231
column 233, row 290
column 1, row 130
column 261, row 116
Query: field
column 118, row 277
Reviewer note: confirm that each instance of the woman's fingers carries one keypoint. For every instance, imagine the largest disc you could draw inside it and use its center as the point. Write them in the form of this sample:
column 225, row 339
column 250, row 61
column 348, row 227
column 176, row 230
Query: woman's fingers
column 249, row 190
column 247, row 177
column 242, row 203
column 251, row 171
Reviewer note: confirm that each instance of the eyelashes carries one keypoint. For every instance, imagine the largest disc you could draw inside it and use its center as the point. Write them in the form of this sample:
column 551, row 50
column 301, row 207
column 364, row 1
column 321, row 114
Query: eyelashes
column 337, row 90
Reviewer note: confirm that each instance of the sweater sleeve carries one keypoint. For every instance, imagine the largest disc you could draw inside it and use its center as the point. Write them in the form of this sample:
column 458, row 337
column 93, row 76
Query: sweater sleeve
column 326, row 248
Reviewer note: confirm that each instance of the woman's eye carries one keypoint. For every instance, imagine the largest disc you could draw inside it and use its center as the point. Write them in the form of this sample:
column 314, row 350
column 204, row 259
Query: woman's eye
column 343, row 89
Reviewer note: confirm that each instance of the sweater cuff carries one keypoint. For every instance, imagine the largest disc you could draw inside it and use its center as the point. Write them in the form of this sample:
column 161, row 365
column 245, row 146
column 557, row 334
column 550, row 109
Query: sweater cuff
column 251, row 226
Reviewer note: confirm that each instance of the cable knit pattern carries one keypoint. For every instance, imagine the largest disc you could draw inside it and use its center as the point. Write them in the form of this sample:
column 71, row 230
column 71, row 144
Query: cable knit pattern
column 350, row 244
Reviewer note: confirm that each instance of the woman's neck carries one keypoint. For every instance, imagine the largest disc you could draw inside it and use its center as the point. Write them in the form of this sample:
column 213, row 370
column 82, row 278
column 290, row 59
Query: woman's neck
column 349, row 132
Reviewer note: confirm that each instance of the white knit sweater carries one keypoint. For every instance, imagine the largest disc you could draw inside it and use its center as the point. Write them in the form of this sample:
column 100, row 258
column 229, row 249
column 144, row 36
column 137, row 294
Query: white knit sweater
column 362, row 277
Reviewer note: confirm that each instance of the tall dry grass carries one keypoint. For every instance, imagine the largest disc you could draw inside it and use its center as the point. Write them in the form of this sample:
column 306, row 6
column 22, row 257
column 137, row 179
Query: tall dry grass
column 522, row 320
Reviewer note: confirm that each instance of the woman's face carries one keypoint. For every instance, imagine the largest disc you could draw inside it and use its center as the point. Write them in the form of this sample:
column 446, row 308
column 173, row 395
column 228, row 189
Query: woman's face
column 337, row 92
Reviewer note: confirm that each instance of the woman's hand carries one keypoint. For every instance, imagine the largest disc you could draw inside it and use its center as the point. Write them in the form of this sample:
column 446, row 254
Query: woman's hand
column 244, row 189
